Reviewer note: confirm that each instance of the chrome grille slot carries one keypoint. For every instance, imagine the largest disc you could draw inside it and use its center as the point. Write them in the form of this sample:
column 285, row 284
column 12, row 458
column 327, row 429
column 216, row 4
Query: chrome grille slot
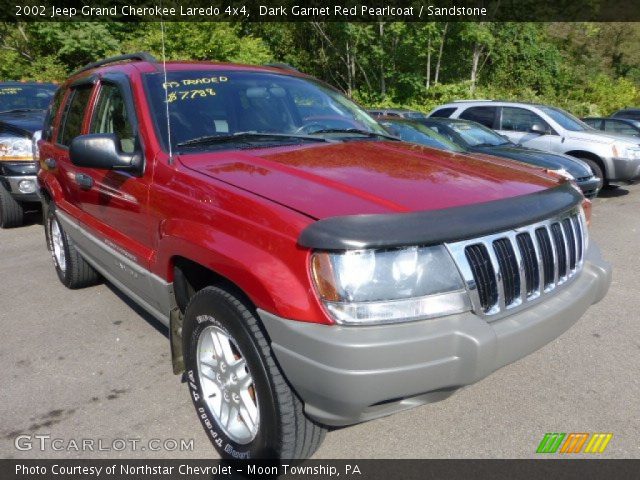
column 480, row 263
column 558, row 240
column 530, row 262
column 509, row 268
column 547, row 253
column 507, row 271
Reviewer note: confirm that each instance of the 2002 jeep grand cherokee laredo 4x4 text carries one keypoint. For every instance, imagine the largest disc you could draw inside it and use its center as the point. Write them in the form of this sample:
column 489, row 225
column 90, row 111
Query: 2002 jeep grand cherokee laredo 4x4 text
column 312, row 270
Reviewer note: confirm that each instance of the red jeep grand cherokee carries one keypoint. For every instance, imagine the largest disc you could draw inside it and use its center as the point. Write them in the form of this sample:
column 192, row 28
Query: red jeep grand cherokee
column 312, row 270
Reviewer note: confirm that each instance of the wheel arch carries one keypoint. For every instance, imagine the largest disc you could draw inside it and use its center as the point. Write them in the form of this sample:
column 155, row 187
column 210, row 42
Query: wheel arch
column 583, row 154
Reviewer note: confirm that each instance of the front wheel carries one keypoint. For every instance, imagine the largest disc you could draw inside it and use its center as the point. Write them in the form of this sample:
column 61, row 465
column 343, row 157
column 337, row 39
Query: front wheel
column 11, row 211
column 242, row 399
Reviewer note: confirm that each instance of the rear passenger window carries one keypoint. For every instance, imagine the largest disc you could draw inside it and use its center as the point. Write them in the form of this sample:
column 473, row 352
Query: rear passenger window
column 71, row 125
column 443, row 112
column 483, row 115
column 110, row 116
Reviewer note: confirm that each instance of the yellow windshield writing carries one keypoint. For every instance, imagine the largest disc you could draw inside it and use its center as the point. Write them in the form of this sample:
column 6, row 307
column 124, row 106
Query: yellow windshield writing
column 190, row 94
column 10, row 90
column 194, row 81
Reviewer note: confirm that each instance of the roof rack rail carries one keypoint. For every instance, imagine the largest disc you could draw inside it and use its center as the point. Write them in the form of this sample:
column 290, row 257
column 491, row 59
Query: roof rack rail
column 140, row 56
column 282, row 66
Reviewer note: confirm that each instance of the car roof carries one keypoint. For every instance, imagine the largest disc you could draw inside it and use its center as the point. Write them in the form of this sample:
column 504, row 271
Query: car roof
column 508, row 103
column 130, row 66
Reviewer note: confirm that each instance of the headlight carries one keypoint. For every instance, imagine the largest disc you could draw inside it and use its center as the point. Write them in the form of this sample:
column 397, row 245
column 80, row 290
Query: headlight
column 630, row 153
column 562, row 173
column 34, row 144
column 383, row 286
column 15, row 148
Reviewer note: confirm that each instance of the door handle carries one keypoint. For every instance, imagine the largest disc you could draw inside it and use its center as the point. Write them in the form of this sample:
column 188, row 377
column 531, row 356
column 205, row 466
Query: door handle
column 84, row 181
column 50, row 163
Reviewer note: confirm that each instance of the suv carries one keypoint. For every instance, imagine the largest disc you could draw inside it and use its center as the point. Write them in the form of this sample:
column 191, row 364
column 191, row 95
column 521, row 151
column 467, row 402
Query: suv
column 311, row 270
column 622, row 126
column 632, row 113
column 612, row 157
column 22, row 109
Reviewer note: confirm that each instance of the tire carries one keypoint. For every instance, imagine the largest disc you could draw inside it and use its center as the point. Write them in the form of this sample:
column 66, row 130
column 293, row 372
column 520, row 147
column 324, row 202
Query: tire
column 11, row 211
column 597, row 171
column 282, row 431
column 73, row 270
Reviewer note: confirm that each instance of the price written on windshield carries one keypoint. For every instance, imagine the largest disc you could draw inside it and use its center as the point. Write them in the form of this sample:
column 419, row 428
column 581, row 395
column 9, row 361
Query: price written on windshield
column 190, row 94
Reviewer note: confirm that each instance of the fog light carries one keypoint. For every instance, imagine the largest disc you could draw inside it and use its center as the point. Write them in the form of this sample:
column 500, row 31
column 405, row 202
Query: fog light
column 27, row 186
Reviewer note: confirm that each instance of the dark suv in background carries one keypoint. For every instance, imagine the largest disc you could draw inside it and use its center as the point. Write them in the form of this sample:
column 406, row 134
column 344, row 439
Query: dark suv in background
column 22, row 111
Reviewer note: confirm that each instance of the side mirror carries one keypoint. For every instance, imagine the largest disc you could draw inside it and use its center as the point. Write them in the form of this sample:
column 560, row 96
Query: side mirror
column 102, row 150
column 538, row 128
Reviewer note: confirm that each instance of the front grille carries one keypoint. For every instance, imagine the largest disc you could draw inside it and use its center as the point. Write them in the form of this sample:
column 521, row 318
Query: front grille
column 508, row 270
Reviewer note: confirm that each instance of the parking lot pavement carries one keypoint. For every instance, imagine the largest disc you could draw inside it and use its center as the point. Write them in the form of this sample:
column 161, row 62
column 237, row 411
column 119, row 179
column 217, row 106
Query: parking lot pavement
column 88, row 365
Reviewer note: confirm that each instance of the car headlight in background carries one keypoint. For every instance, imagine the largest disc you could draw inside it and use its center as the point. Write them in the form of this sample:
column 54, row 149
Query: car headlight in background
column 16, row 148
column 34, row 141
column 561, row 172
column 630, row 153
column 383, row 286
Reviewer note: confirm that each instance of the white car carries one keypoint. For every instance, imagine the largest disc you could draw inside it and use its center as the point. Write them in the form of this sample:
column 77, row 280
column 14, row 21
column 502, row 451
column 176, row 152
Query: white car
column 611, row 157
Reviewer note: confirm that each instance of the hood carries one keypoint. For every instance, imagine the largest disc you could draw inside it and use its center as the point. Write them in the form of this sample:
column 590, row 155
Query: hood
column 23, row 123
column 600, row 137
column 540, row 158
column 365, row 177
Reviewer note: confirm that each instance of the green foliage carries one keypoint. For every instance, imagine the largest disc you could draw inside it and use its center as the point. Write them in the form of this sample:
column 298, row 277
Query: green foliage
column 587, row 68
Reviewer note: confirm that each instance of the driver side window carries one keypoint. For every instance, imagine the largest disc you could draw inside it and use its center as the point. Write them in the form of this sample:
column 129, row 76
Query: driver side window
column 110, row 116
column 520, row 120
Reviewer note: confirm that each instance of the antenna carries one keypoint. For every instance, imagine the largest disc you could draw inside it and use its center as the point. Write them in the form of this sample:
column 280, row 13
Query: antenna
column 166, row 94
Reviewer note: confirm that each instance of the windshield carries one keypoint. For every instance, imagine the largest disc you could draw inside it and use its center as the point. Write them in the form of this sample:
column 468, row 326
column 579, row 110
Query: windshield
column 210, row 103
column 416, row 133
column 565, row 119
column 415, row 115
column 28, row 97
column 475, row 135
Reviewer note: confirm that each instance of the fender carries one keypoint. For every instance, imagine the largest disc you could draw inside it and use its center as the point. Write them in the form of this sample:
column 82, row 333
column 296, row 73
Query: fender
column 229, row 257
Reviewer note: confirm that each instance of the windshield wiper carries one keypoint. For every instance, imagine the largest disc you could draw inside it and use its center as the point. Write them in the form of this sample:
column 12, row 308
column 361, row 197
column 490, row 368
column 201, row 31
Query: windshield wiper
column 357, row 131
column 212, row 139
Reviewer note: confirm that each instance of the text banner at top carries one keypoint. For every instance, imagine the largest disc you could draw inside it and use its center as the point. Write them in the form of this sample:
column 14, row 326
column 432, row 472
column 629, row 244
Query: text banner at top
column 322, row 11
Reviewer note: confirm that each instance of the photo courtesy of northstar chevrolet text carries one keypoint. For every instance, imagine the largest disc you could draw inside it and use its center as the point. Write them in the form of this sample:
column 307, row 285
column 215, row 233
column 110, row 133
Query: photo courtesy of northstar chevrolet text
column 326, row 233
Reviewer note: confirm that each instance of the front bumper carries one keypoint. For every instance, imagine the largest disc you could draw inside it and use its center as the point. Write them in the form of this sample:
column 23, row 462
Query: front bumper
column 590, row 186
column 624, row 169
column 12, row 184
column 347, row 375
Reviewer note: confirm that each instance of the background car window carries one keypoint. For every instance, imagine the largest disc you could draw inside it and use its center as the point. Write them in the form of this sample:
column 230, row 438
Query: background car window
column 443, row 112
column 619, row 127
column 110, row 116
column 593, row 122
column 25, row 96
column 520, row 120
column 421, row 135
column 74, row 114
column 483, row 115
